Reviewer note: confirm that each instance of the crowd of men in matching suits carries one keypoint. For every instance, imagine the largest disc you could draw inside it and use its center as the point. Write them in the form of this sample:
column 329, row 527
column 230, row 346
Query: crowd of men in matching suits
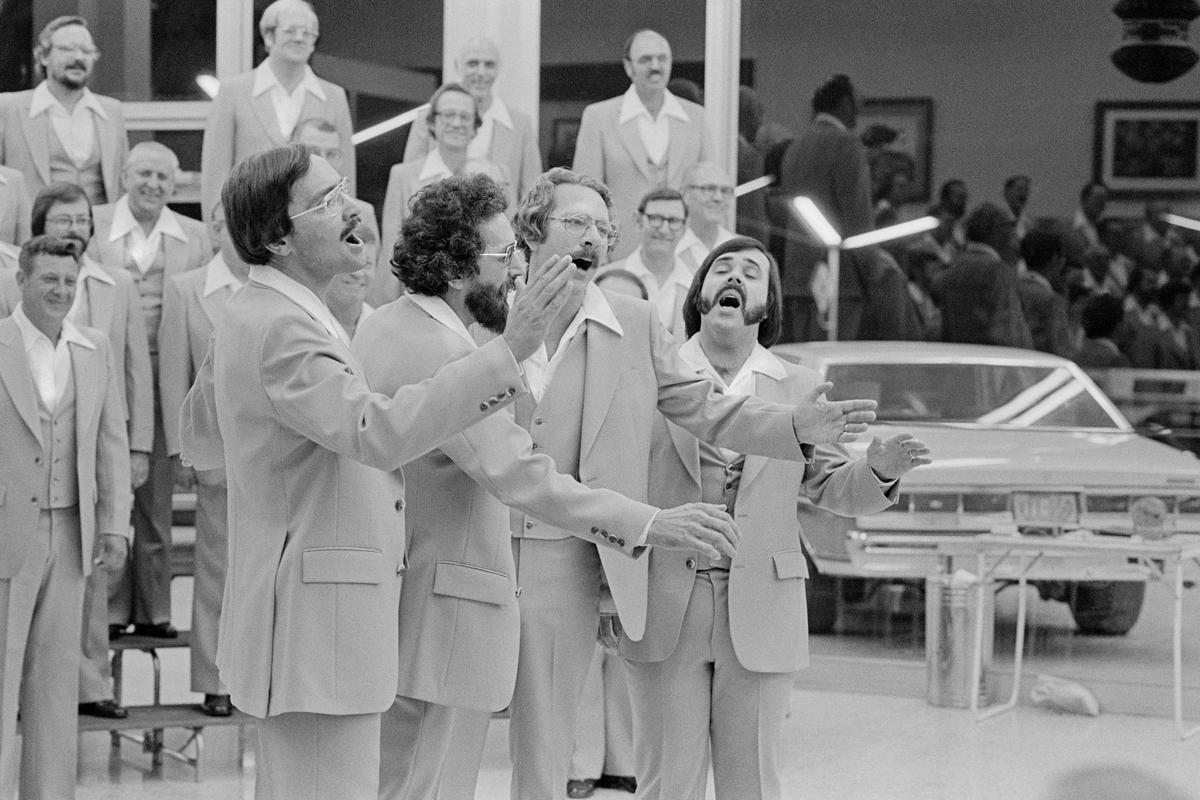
column 413, row 515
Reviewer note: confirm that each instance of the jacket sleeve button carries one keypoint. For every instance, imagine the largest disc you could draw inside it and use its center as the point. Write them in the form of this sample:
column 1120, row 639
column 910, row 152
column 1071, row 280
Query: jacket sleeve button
column 690, row 563
column 528, row 526
column 400, row 504
column 483, row 406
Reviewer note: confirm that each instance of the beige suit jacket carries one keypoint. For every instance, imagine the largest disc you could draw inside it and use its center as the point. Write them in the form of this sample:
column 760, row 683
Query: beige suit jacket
column 15, row 205
column 613, row 152
column 515, row 149
column 241, row 125
column 629, row 377
column 180, row 256
column 316, row 530
column 768, row 614
column 25, row 142
column 458, row 606
column 103, row 449
column 115, row 309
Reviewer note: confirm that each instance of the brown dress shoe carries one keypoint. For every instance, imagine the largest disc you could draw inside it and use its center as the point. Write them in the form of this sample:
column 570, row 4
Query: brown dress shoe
column 158, row 630
column 108, row 709
column 585, row 787
column 217, row 705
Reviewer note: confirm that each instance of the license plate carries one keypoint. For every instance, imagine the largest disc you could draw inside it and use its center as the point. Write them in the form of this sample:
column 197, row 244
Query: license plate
column 1045, row 508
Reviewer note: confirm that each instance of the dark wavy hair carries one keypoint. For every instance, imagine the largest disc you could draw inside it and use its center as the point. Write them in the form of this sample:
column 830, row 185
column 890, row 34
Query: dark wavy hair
column 58, row 192
column 256, row 196
column 770, row 328
column 530, row 220
column 46, row 246
column 439, row 240
column 829, row 94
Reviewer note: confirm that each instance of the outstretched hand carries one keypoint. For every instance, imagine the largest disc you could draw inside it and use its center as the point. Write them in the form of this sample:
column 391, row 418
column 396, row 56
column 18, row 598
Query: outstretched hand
column 695, row 526
column 819, row 420
column 535, row 305
column 897, row 455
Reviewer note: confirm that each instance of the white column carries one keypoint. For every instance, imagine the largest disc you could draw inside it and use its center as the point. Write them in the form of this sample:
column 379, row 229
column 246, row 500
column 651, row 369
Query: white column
column 236, row 31
column 722, row 62
column 516, row 28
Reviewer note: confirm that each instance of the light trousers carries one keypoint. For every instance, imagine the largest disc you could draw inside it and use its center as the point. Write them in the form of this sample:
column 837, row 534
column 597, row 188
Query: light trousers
column 604, row 723
column 305, row 756
column 424, row 749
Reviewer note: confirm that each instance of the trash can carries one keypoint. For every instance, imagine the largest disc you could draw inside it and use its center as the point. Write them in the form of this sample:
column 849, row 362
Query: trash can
column 950, row 602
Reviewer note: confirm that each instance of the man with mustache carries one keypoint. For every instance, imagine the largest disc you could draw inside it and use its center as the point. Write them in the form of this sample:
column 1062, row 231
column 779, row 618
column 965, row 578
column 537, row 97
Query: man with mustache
column 109, row 302
column 60, row 130
column 661, row 222
column 645, row 138
column 710, row 670
column 458, row 603
column 140, row 236
column 606, row 369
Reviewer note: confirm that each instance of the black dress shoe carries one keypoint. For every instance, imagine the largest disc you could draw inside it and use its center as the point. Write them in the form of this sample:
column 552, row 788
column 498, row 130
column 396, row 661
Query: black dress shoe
column 626, row 783
column 157, row 630
column 217, row 705
column 585, row 787
column 116, row 631
column 109, row 709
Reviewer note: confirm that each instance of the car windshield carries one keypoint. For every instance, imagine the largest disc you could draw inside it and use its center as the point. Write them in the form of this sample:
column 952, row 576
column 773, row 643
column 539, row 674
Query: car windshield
column 1010, row 395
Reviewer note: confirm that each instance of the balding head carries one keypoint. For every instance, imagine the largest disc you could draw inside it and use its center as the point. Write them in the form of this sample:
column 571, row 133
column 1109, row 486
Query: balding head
column 478, row 64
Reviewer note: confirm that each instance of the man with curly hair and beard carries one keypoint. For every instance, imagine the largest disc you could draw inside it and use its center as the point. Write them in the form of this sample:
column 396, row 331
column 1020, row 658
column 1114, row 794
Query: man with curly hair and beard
column 459, row 628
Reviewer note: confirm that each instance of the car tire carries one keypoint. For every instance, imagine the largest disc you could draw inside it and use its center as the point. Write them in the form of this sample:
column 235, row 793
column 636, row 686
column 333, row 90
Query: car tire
column 1106, row 608
column 821, row 592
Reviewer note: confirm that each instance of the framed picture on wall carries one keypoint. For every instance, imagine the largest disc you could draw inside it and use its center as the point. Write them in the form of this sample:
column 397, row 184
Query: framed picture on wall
column 898, row 133
column 1145, row 148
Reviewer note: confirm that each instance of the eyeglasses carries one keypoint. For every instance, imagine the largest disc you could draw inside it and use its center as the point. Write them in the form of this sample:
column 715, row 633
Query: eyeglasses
column 333, row 202
column 464, row 117
column 507, row 256
column 577, row 225
column 88, row 52
column 656, row 221
column 297, row 32
column 66, row 222
column 712, row 190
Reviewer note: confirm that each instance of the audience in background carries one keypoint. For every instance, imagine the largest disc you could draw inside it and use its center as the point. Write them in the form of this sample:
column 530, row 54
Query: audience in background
column 1044, row 306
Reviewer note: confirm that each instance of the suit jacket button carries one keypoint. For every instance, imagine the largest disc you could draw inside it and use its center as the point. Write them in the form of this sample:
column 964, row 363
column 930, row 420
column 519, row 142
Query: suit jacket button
column 595, row 529
column 620, row 542
column 512, row 390
column 537, row 421
column 528, row 526
column 400, row 504
column 483, row 406
column 518, row 592
column 37, row 459
column 690, row 563
column 536, row 446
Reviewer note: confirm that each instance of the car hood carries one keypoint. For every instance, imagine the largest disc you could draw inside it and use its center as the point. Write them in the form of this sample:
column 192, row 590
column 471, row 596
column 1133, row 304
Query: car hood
column 971, row 456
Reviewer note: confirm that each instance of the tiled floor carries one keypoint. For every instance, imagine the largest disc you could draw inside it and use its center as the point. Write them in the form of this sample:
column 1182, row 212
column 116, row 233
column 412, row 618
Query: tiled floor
column 881, row 742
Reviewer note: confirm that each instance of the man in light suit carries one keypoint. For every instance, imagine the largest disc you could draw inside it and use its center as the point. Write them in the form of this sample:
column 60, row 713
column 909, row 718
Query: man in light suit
column 643, row 139
column 140, row 236
column 14, row 208
column 258, row 110
column 607, row 369
column 193, row 304
column 505, row 137
column 308, row 638
column 60, row 130
column 827, row 163
column 64, row 459
column 716, row 664
column 458, row 605
column 109, row 302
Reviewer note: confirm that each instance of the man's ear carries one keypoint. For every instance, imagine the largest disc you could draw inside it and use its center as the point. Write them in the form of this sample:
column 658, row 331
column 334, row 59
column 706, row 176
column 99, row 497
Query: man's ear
column 281, row 248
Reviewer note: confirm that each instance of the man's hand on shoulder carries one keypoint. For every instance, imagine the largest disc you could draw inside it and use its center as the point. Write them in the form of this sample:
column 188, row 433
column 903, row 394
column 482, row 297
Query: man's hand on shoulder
column 819, row 420
column 695, row 526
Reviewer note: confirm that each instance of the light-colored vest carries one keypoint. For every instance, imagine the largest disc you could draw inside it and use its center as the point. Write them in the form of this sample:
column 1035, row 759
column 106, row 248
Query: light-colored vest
column 150, row 288
column 59, row 451
column 88, row 177
column 556, row 427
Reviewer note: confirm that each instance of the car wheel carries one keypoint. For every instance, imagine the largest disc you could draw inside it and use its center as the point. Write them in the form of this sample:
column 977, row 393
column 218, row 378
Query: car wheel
column 822, row 595
column 1106, row 608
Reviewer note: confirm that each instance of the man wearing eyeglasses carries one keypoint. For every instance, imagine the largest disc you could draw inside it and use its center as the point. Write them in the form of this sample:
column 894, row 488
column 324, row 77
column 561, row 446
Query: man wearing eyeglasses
column 607, row 368
column 60, row 130
column 258, row 110
column 140, row 236
column 309, row 627
column 708, row 194
column 661, row 222
column 645, row 138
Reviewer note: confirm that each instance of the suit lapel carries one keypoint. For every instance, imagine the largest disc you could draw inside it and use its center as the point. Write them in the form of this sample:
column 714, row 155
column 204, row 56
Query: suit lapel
column 16, row 377
column 502, row 145
column 37, row 138
column 212, row 305
column 687, row 447
column 767, row 388
column 99, row 304
column 633, row 144
column 264, row 109
column 110, row 170
column 174, row 256
column 88, row 388
column 600, row 381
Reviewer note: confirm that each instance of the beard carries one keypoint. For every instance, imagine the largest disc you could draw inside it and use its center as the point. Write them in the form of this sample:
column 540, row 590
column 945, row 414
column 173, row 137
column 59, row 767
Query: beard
column 489, row 306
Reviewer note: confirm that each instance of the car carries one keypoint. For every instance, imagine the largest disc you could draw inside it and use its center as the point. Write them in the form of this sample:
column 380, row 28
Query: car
column 1023, row 443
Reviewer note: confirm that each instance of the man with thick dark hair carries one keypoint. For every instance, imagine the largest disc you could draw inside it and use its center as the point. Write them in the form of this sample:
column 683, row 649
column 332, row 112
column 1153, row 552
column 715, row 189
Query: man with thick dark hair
column 1044, row 308
column 829, row 164
column 608, row 368
column 308, row 638
column 458, row 605
column 714, row 670
column 1101, row 316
